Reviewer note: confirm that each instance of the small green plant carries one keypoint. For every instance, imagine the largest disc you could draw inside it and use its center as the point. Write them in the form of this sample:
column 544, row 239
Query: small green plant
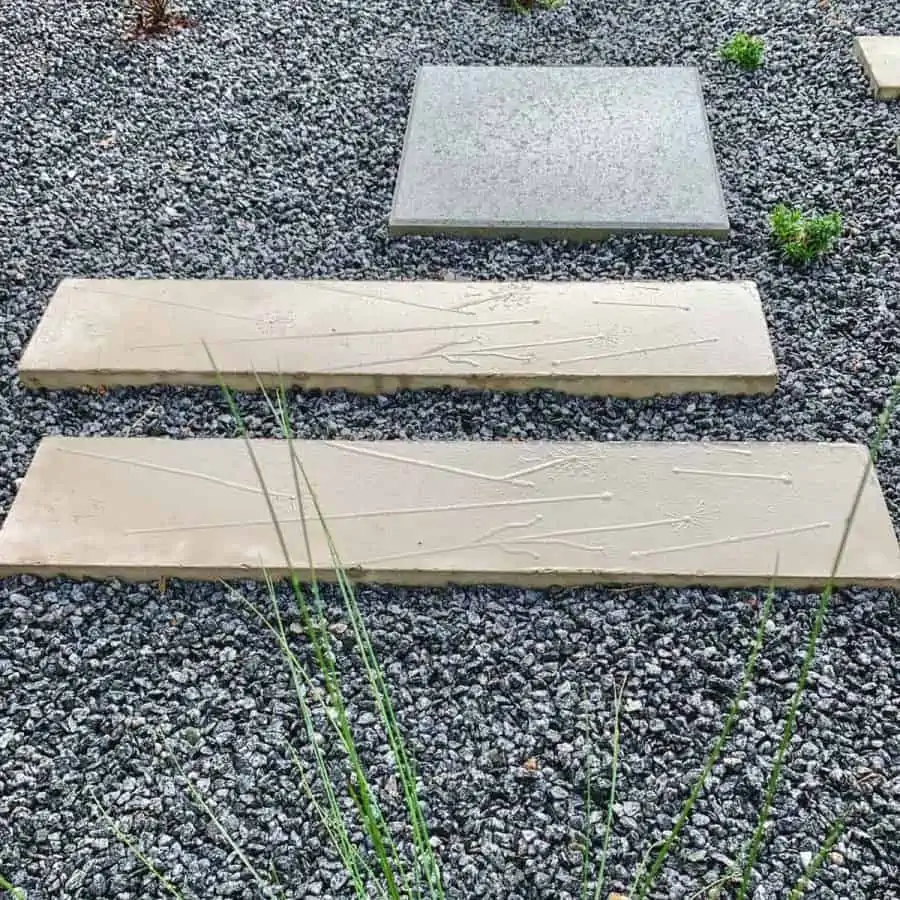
column 803, row 238
column 744, row 50
column 526, row 6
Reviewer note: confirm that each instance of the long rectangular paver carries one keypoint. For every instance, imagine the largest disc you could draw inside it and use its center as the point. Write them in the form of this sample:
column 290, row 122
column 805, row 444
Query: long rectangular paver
column 880, row 58
column 629, row 339
column 431, row 512
column 572, row 152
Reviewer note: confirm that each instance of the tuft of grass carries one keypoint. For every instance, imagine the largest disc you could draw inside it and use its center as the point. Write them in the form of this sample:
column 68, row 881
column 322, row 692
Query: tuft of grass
column 388, row 878
column 803, row 238
column 818, row 623
column 426, row 875
column 744, row 50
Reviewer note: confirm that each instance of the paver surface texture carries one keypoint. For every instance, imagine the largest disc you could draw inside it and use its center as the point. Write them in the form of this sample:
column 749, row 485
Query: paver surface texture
column 430, row 512
column 880, row 58
column 622, row 338
column 575, row 152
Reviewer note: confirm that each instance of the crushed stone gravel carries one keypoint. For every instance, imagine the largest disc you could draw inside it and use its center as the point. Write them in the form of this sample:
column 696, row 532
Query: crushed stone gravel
column 263, row 142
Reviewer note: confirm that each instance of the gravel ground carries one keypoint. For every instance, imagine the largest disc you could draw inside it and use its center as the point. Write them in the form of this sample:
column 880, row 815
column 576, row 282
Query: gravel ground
column 264, row 143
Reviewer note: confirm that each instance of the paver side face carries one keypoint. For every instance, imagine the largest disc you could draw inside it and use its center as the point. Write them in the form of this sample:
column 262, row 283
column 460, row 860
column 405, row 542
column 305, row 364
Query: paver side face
column 430, row 512
column 623, row 338
column 573, row 152
column 880, row 58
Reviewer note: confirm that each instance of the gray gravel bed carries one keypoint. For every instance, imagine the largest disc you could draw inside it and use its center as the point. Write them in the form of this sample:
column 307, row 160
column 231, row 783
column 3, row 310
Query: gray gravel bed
column 264, row 143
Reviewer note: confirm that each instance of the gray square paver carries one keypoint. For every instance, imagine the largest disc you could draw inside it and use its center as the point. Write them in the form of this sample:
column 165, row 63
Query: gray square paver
column 880, row 58
column 568, row 152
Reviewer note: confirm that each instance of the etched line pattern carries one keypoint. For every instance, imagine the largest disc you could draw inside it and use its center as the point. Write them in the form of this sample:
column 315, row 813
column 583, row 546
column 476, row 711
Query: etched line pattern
column 734, row 539
column 617, row 354
column 171, row 470
column 487, row 539
column 578, row 464
column 162, row 302
column 324, row 287
column 517, row 294
column 508, row 478
column 635, row 305
column 721, row 448
column 560, row 542
column 275, row 321
column 762, row 476
column 323, row 335
column 386, row 298
column 377, row 513
column 493, row 350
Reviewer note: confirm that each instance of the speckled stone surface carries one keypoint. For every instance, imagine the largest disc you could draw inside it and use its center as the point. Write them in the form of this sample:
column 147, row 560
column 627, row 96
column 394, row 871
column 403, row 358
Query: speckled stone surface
column 575, row 152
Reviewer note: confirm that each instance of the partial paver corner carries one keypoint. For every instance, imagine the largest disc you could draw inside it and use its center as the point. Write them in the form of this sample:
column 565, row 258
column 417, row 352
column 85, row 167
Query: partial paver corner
column 879, row 56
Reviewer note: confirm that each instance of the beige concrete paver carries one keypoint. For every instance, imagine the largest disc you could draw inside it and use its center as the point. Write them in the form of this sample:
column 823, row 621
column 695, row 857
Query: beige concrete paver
column 430, row 512
column 880, row 57
column 629, row 339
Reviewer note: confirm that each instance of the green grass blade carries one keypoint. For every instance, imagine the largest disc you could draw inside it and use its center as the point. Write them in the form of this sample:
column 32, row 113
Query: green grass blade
column 642, row 886
column 618, row 694
column 132, row 848
column 586, row 852
column 424, row 852
column 351, row 857
column 332, row 819
column 263, row 883
column 787, row 733
column 363, row 796
column 14, row 892
column 816, row 863
column 425, row 855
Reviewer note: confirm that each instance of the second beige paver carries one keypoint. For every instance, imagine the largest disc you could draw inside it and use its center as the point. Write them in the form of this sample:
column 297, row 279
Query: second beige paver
column 431, row 512
column 630, row 339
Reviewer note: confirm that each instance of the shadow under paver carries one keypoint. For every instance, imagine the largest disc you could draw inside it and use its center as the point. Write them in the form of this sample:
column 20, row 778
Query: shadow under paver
column 434, row 512
column 573, row 152
column 880, row 58
column 620, row 338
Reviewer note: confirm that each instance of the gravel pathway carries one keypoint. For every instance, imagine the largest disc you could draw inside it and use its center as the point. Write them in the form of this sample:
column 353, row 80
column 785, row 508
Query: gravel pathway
column 264, row 143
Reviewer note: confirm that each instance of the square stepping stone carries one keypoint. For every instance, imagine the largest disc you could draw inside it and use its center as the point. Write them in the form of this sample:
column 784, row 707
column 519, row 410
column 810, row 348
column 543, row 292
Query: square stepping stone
column 529, row 513
column 571, row 152
column 619, row 338
column 880, row 58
